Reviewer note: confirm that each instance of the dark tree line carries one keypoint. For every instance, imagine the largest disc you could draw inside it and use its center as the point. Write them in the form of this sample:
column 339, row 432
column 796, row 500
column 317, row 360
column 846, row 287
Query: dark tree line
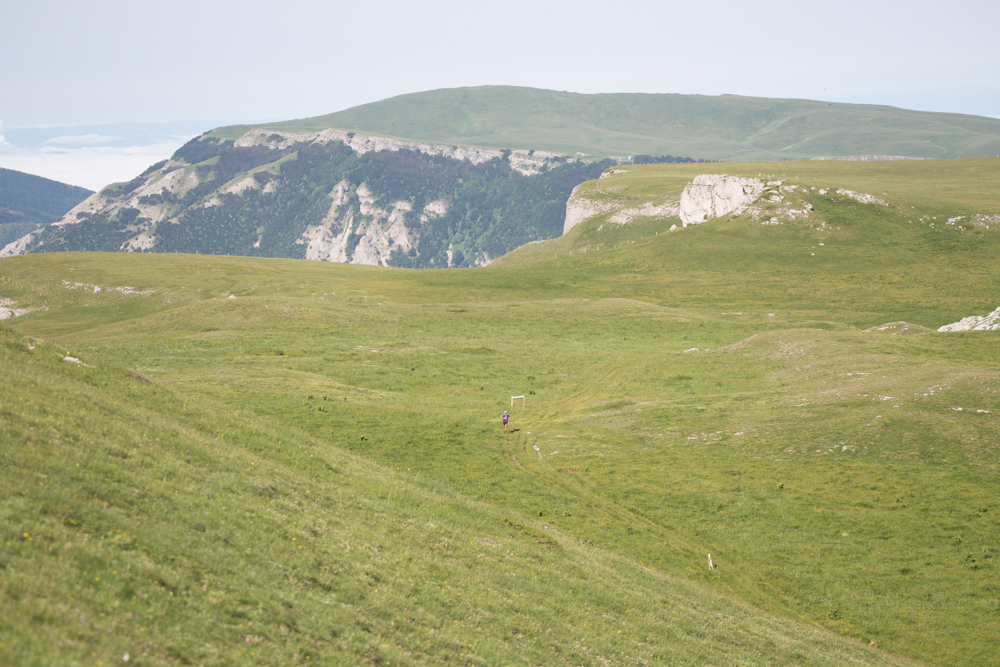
column 664, row 159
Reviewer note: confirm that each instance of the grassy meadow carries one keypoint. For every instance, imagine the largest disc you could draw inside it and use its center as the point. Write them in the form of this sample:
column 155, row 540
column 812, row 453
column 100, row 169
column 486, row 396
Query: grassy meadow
column 282, row 462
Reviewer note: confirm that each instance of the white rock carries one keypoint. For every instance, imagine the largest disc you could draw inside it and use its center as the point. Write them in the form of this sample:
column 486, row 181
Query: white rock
column 7, row 309
column 580, row 208
column 713, row 195
column 144, row 241
column 862, row 197
column 17, row 247
column 238, row 188
column 434, row 210
column 989, row 322
column 648, row 210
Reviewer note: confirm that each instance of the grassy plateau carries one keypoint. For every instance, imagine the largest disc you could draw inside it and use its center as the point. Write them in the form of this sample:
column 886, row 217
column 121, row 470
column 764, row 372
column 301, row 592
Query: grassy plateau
column 722, row 127
column 281, row 462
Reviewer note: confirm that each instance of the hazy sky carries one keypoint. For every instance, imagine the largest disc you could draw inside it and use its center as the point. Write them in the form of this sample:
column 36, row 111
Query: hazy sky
column 98, row 62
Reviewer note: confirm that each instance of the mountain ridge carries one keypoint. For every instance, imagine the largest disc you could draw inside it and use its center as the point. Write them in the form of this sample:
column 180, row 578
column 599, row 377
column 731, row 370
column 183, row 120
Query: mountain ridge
column 618, row 124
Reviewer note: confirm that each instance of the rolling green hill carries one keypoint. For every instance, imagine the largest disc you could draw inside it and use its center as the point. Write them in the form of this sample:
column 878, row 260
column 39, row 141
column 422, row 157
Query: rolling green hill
column 288, row 462
column 716, row 128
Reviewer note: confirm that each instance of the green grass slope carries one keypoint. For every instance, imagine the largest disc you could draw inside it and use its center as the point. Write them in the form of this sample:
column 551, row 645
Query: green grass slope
column 146, row 520
column 709, row 127
column 141, row 527
column 316, row 467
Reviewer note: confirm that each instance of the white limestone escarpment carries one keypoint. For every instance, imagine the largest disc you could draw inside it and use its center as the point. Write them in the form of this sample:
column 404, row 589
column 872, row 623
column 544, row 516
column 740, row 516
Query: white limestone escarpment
column 526, row 162
column 580, row 208
column 713, row 195
column 707, row 196
column 328, row 240
column 647, row 210
column 990, row 322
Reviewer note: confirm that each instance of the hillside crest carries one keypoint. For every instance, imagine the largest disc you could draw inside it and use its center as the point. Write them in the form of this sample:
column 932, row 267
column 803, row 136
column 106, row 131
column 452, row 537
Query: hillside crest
column 723, row 127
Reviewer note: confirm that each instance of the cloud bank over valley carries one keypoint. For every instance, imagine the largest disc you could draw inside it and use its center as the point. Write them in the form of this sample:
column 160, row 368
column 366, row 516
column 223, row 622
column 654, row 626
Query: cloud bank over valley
column 93, row 156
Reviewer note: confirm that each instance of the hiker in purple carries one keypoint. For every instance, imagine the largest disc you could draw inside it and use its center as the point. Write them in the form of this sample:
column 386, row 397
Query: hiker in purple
column 505, row 417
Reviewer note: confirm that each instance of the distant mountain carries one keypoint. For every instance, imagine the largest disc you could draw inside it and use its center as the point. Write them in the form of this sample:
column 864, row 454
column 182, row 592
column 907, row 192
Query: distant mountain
column 334, row 196
column 27, row 202
column 723, row 127
column 38, row 197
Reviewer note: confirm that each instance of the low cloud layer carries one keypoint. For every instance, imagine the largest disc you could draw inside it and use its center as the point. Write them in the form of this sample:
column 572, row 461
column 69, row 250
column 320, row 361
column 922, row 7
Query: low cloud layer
column 81, row 139
column 93, row 156
column 91, row 167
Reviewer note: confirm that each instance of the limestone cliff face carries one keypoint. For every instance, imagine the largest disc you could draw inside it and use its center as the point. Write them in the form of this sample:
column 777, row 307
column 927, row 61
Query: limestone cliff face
column 582, row 206
column 381, row 231
column 328, row 241
column 579, row 208
column 526, row 162
column 713, row 195
column 706, row 197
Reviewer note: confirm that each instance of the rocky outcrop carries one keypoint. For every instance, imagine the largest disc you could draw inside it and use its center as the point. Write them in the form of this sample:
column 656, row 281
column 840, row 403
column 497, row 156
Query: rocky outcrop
column 380, row 231
column 434, row 210
column 990, row 322
column 144, row 241
column 713, row 195
column 87, row 207
column 862, row 197
column 327, row 241
column 8, row 310
column 580, row 208
column 18, row 247
column 648, row 210
column 150, row 200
